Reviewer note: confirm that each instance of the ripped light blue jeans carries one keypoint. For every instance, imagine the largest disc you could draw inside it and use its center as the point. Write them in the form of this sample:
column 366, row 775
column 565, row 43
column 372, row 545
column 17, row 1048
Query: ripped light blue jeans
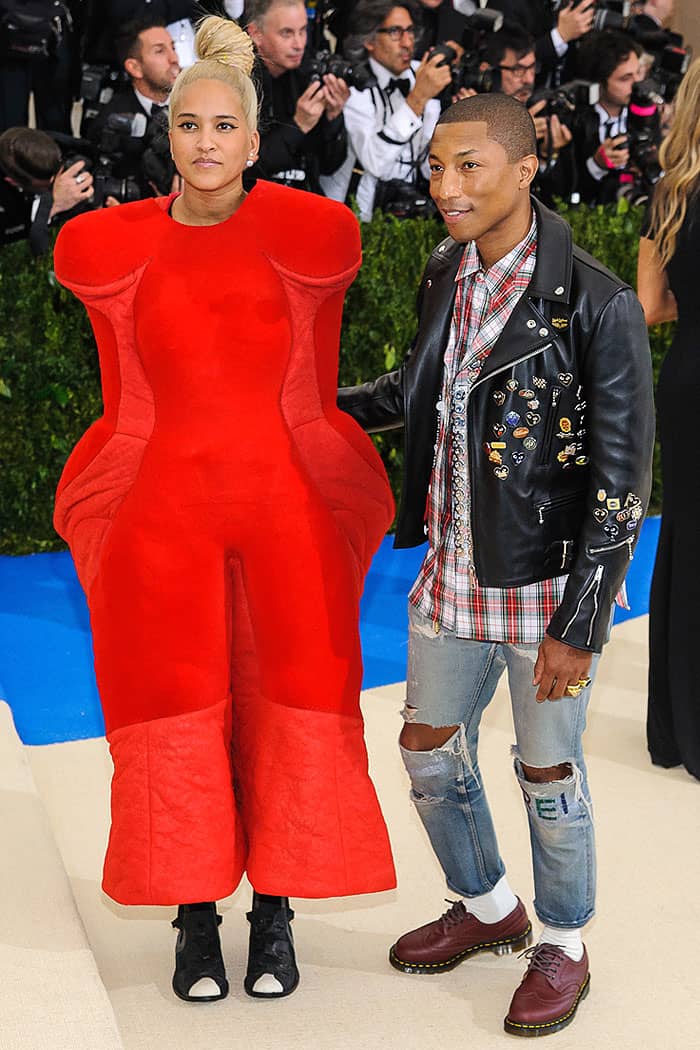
column 451, row 681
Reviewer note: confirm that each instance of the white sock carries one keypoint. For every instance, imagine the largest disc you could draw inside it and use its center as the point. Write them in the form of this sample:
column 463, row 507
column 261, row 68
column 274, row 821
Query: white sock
column 494, row 905
column 568, row 940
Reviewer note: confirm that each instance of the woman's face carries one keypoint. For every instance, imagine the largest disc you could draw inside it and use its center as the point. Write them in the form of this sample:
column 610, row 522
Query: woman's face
column 210, row 139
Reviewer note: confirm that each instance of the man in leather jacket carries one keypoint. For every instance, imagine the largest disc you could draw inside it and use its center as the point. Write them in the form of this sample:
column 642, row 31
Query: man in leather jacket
column 526, row 402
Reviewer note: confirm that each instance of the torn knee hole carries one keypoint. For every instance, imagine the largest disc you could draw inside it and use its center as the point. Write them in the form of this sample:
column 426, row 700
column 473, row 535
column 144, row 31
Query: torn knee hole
column 547, row 774
column 417, row 736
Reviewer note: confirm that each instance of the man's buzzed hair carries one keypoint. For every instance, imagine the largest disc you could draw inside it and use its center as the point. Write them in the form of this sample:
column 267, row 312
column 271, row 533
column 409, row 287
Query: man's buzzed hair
column 507, row 122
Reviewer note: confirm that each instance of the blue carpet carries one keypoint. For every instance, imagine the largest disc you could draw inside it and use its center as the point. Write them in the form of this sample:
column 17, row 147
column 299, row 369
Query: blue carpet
column 45, row 652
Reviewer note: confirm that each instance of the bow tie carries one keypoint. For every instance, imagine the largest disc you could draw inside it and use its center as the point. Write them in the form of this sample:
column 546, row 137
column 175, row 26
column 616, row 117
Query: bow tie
column 401, row 84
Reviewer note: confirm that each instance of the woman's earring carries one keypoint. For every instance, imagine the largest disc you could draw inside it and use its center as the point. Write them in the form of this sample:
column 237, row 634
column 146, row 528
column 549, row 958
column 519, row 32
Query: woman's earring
column 249, row 163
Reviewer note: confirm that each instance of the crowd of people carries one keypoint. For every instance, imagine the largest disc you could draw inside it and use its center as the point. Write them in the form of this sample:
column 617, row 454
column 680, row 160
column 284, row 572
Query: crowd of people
column 349, row 96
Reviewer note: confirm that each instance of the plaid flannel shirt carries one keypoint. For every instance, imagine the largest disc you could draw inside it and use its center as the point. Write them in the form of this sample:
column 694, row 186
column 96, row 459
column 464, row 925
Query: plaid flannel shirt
column 446, row 589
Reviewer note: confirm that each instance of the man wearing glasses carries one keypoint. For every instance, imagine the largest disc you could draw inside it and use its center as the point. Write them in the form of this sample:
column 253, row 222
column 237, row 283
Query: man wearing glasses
column 390, row 125
column 512, row 53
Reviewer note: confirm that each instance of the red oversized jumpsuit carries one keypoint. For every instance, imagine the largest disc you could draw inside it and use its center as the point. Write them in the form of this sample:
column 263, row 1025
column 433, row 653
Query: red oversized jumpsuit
column 222, row 515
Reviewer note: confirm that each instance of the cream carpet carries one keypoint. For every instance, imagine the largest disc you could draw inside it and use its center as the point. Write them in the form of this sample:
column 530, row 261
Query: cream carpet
column 51, row 995
column 645, row 990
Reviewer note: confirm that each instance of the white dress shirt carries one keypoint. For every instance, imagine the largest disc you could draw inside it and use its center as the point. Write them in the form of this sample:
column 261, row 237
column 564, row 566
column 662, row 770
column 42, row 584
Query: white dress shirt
column 608, row 128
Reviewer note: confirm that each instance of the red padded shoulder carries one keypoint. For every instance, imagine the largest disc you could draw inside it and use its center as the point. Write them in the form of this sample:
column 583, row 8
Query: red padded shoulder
column 99, row 247
column 305, row 233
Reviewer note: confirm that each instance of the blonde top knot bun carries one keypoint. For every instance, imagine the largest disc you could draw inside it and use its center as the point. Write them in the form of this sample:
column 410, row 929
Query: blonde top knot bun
column 222, row 40
column 225, row 52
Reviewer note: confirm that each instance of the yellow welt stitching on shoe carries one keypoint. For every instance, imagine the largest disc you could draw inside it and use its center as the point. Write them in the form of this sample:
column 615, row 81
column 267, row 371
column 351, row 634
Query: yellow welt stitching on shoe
column 467, row 951
column 558, row 1020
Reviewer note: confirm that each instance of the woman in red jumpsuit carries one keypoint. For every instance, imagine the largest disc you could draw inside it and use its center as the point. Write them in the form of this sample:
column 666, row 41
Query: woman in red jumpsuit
column 222, row 515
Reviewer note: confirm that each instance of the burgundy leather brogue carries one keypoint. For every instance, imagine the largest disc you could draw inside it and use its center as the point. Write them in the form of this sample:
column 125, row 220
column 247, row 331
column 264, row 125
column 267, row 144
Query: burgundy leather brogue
column 456, row 935
column 549, row 993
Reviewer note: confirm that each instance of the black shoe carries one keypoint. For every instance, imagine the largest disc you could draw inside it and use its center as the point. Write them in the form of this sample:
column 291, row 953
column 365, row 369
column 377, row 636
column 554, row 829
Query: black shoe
column 271, row 947
column 198, row 952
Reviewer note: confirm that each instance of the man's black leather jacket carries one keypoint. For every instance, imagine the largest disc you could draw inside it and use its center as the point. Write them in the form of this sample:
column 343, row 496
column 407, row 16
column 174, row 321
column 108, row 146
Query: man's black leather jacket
column 570, row 491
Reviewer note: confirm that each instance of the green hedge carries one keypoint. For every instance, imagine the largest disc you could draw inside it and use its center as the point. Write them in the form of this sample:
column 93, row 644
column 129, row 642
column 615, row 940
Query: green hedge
column 49, row 377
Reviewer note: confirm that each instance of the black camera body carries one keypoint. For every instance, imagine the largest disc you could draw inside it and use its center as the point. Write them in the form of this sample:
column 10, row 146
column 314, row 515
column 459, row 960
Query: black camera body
column 467, row 72
column 100, row 83
column 564, row 100
column 644, row 135
column 403, row 200
column 609, row 14
column 670, row 65
column 104, row 183
column 357, row 75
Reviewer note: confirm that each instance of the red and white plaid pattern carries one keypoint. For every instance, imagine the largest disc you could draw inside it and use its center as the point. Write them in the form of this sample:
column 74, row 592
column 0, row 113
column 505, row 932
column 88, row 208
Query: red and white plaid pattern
column 446, row 589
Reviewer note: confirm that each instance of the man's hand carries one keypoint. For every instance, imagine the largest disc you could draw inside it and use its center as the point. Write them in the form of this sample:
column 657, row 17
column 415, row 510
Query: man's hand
column 310, row 107
column 337, row 94
column 70, row 187
column 612, row 151
column 557, row 666
column 464, row 93
column 573, row 22
column 550, row 132
column 431, row 79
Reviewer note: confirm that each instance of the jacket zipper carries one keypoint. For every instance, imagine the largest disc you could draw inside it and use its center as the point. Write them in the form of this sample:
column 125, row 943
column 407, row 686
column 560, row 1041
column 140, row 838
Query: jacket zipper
column 557, row 501
column 511, row 364
column 594, row 586
column 549, row 430
column 629, row 540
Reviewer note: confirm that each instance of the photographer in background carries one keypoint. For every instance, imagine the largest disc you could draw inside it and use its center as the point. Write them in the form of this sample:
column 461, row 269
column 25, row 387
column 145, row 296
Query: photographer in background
column 302, row 133
column 34, row 188
column 510, row 54
column 555, row 25
column 145, row 50
column 38, row 51
column 612, row 60
column 390, row 125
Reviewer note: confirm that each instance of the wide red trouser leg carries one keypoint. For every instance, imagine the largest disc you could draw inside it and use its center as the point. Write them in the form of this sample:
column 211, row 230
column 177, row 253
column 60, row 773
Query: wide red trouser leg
column 160, row 612
column 312, row 819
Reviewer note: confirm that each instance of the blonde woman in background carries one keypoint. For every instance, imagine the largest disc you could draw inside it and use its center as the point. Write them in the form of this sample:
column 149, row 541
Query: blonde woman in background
column 669, row 257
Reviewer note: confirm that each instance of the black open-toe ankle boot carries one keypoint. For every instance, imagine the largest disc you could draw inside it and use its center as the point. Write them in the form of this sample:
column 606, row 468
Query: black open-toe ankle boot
column 198, row 953
column 272, row 968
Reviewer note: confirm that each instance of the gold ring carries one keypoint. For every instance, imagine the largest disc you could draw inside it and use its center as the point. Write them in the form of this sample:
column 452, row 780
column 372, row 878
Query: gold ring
column 583, row 682
column 573, row 690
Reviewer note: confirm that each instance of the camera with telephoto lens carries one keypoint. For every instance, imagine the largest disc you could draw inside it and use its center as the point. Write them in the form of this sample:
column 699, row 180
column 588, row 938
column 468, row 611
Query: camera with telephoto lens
column 609, row 14
column 563, row 101
column 108, row 156
column 357, row 74
column 643, row 138
column 467, row 72
column 104, row 183
column 671, row 60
